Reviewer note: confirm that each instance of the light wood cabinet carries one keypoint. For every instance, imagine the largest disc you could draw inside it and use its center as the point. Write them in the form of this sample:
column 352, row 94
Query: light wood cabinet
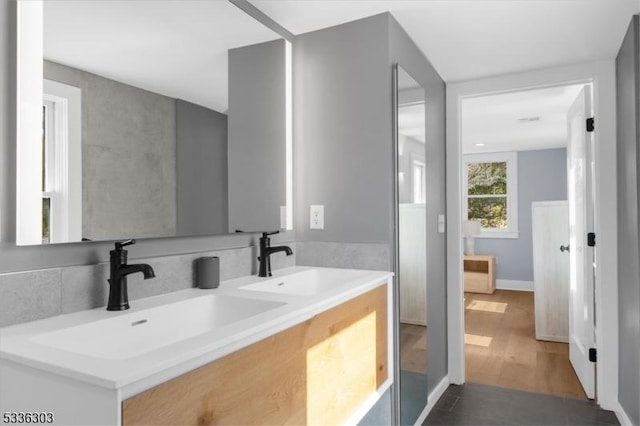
column 479, row 274
column 317, row 372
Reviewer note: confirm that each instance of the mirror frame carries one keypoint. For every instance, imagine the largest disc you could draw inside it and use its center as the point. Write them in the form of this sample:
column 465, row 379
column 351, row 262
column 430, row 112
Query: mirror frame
column 29, row 89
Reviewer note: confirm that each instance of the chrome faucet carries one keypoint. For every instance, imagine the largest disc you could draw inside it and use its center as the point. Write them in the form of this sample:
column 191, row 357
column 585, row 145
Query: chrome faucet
column 266, row 251
column 118, row 297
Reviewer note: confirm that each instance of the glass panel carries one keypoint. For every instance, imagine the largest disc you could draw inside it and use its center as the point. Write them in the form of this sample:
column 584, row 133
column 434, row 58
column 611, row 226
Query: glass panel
column 490, row 211
column 487, row 178
column 411, row 268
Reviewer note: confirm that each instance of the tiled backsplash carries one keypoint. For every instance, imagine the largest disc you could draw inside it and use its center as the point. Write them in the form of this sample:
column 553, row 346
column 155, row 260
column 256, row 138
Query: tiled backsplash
column 344, row 255
column 31, row 295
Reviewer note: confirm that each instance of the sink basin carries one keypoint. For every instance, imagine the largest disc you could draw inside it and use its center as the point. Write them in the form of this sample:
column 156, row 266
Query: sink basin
column 307, row 283
column 135, row 333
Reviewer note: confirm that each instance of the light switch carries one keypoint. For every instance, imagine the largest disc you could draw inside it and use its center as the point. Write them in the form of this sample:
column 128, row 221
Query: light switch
column 441, row 223
column 316, row 217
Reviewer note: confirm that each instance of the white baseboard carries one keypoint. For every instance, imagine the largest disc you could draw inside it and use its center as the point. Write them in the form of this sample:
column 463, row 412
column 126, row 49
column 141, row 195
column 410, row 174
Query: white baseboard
column 514, row 285
column 433, row 397
column 553, row 339
column 622, row 416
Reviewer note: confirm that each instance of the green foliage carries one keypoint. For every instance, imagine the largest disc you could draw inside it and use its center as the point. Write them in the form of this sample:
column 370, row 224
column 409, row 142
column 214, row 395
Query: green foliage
column 491, row 212
column 488, row 179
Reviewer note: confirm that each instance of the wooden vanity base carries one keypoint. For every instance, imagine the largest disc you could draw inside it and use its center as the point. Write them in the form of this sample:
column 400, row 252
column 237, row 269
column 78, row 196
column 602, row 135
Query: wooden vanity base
column 317, row 372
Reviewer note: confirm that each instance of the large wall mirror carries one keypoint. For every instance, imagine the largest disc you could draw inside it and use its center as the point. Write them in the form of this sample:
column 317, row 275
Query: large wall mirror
column 411, row 256
column 149, row 118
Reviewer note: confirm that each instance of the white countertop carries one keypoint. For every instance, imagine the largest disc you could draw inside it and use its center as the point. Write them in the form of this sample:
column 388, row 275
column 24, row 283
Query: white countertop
column 133, row 375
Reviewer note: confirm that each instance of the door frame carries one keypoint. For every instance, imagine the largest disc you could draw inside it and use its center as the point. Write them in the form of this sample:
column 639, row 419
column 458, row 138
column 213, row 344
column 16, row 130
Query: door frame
column 601, row 74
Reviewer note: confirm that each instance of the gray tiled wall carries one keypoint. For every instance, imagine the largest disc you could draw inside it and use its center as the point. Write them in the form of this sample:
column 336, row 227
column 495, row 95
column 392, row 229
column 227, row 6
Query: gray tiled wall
column 344, row 255
column 32, row 295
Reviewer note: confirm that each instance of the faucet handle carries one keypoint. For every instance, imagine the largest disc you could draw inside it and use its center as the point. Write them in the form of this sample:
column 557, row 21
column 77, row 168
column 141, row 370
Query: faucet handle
column 266, row 234
column 121, row 244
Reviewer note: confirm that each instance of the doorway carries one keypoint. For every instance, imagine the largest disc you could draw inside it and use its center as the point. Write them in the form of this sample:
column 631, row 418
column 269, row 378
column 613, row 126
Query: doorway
column 524, row 154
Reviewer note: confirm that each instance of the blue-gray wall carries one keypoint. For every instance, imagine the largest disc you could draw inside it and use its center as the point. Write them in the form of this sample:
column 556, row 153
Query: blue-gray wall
column 542, row 176
column 628, row 92
column 201, row 170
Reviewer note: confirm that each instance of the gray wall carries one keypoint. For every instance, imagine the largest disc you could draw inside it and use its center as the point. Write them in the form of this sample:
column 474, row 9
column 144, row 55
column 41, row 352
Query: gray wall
column 257, row 163
column 542, row 176
column 128, row 157
column 13, row 258
column 343, row 132
column 201, row 147
column 343, row 152
column 628, row 107
column 342, row 89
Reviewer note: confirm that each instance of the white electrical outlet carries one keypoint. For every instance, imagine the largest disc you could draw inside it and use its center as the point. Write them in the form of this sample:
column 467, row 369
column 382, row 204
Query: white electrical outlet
column 316, row 217
column 441, row 223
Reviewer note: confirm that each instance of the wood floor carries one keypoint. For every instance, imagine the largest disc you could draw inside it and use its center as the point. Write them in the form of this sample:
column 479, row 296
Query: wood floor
column 501, row 349
column 413, row 348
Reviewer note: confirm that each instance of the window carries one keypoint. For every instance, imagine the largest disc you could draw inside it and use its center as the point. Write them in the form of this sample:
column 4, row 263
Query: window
column 418, row 182
column 491, row 193
column 61, row 168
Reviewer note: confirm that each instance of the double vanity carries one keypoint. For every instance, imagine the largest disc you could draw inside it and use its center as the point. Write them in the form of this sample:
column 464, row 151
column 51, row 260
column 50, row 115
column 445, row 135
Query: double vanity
column 307, row 345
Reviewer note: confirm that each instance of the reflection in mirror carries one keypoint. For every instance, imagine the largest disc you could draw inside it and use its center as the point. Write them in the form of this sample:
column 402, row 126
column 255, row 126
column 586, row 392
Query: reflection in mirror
column 157, row 118
column 411, row 268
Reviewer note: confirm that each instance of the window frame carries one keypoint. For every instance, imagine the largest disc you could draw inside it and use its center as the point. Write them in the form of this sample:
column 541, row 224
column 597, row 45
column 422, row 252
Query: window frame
column 64, row 160
column 511, row 158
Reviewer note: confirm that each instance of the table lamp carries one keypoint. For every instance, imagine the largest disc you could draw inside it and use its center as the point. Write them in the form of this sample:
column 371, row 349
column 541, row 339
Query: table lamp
column 470, row 229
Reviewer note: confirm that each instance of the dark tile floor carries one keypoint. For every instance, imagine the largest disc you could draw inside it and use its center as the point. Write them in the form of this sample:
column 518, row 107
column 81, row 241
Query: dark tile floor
column 474, row 404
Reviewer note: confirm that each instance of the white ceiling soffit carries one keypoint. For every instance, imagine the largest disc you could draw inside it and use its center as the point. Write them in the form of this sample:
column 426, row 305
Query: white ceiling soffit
column 470, row 39
column 519, row 121
column 177, row 48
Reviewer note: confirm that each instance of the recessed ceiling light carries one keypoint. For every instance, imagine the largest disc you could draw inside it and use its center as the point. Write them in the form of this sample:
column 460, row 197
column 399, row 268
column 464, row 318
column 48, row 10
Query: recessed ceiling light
column 479, row 144
column 528, row 119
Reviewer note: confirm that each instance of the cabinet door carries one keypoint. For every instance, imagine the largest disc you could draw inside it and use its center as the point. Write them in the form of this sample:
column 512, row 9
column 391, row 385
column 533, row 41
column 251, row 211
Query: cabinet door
column 550, row 222
column 317, row 372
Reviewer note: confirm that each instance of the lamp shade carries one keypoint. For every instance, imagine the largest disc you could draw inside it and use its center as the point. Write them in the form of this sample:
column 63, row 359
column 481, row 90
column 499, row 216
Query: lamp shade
column 471, row 228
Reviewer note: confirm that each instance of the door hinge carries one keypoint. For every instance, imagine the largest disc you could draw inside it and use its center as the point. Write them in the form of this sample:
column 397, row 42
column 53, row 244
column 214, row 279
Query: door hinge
column 593, row 354
column 590, row 124
column 591, row 239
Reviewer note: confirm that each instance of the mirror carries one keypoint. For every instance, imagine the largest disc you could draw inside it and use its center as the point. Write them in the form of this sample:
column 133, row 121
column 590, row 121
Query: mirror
column 411, row 271
column 149, row 118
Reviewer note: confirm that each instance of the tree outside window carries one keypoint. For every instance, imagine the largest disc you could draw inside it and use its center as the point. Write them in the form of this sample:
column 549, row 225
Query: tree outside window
column 491, row 193
column 487, row 194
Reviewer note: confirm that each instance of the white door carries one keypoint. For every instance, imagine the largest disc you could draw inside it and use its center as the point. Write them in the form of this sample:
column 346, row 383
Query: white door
column 580, row 197
column 550, row 228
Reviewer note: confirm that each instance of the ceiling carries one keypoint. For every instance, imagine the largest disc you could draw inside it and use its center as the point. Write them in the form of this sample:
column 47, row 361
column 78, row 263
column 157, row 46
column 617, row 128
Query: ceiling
column 469, row 39
column 519, row 121
column 177, row 48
